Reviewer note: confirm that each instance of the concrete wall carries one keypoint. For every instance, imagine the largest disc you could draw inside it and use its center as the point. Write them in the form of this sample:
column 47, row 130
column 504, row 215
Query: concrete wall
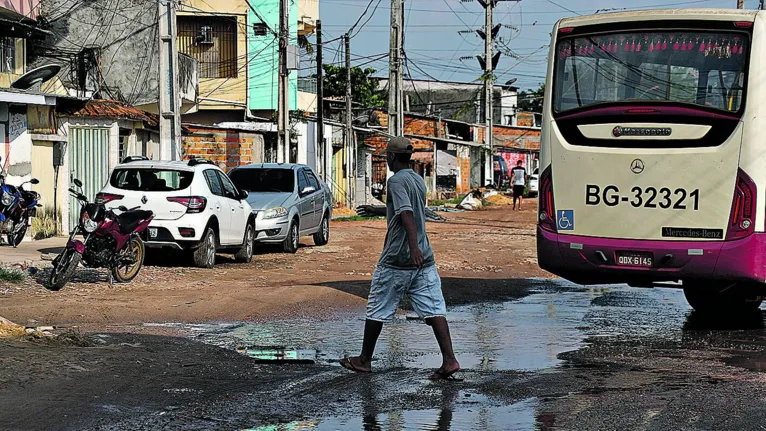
column 17, row 143
column 128, row 39
column 263, row 57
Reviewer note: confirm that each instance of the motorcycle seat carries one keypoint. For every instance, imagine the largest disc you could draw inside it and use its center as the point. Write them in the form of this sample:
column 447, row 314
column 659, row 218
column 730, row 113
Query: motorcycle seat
column 129, row 220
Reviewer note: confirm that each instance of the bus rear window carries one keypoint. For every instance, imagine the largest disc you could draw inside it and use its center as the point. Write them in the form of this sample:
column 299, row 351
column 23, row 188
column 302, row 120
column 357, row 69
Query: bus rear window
column 697, row 68
column 151, row 180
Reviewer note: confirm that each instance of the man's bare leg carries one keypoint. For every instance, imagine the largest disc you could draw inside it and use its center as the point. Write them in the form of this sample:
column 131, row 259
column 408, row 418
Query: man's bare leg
column 441, row 331
column 363, row 362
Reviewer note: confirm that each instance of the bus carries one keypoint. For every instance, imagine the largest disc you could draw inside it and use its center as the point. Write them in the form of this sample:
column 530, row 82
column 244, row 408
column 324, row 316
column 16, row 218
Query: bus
column 653, row 158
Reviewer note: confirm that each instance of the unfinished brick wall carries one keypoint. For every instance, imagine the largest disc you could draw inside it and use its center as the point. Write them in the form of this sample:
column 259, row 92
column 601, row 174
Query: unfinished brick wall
column 226, row 149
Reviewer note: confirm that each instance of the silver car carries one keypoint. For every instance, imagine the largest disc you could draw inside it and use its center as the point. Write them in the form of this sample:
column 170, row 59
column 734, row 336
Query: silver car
column 289, row 201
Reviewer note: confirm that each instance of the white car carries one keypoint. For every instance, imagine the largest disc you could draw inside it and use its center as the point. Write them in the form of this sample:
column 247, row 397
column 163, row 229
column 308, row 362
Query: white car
column 533, row 186
column 196, row 207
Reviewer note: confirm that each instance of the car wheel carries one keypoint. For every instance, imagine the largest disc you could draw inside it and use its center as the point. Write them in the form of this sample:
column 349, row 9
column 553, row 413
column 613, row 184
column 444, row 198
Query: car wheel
column 204, row 255
column 322, row 237
column 290, row 245
column 245, row 254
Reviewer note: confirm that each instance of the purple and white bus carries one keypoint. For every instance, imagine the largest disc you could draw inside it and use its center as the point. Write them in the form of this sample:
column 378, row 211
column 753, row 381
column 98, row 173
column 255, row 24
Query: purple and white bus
column 653, row 153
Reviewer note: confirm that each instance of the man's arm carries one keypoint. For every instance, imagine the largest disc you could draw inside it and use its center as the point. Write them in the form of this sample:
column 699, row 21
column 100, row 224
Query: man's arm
column 408, row 221
column 371, row 211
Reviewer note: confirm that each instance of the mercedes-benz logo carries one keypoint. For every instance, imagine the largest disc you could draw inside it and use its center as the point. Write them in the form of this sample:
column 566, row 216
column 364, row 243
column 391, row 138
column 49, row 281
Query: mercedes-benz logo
column 637, row 166
column 144, row 199
column 617, row 132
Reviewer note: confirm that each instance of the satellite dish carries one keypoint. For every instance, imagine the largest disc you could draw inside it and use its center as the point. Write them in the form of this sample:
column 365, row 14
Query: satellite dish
column 35, row 78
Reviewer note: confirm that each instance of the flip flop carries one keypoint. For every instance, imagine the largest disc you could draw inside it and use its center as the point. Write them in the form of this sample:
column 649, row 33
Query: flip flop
column 441, row 375
column 347, row 364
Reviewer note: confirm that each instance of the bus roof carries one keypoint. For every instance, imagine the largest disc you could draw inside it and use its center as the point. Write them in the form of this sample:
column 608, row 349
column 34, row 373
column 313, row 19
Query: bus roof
column 660, row 14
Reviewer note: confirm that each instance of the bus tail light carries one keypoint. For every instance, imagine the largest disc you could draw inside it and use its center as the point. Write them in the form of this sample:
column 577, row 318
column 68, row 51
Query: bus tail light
column 742, row 219
column 547, row 212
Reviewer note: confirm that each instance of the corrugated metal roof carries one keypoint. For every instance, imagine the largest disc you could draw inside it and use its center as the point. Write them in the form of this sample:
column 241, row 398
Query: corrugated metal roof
column 111, row 109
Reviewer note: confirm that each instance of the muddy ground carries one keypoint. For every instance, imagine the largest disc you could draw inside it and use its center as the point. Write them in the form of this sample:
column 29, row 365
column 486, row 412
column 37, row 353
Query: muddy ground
column 492, row 249
column 538, row 353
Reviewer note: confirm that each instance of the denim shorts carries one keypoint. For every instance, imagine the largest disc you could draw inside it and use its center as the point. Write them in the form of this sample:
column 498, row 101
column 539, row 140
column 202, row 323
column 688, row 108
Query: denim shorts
column 389, row 285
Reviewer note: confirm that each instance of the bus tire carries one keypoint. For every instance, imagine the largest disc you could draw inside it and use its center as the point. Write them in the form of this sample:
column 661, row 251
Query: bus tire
column 724, row 296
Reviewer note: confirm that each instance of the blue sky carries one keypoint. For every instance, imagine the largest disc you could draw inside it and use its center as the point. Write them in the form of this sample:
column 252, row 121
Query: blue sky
column 434, row 46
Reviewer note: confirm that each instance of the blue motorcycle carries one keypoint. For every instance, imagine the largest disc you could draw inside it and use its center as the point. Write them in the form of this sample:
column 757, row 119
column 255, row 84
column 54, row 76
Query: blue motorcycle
column 17, row 206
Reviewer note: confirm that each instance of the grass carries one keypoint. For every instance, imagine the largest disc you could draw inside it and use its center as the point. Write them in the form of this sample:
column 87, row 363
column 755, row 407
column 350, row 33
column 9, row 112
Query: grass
column 43, row 226
column 11, row 275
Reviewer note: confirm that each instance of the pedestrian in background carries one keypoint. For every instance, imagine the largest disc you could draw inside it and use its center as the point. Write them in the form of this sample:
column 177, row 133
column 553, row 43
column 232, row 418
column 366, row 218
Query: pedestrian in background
column 406, row 266
column 519, row 181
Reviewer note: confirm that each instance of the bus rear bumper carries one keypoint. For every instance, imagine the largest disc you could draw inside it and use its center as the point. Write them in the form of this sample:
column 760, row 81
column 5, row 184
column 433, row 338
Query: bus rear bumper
column 588, row 260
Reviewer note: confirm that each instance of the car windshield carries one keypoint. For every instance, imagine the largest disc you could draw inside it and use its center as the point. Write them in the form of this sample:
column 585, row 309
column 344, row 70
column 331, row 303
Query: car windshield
column 264, row 180
column 151, row 180
column 690, row 67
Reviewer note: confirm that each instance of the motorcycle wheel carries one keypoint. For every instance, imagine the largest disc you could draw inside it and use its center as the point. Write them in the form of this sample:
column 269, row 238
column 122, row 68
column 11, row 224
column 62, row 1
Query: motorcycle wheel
column 137, row 252
column 64, row 269
column 16, row 232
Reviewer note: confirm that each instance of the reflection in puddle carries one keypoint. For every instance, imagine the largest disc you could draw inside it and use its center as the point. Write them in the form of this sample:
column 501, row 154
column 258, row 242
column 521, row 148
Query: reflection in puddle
column 268, row 355
column 519, row 416
column 526, row 335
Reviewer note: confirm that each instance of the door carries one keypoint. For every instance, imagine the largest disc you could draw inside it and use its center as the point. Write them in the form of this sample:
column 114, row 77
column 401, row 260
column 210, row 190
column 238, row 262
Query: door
column 220, row 205
column 306, row 205
column 239, row 211
column 88, row 162
column 317, row 196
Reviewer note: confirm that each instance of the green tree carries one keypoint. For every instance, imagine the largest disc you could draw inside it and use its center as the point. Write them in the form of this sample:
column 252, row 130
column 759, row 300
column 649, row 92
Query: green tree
column 531, row 100
column 364, row 87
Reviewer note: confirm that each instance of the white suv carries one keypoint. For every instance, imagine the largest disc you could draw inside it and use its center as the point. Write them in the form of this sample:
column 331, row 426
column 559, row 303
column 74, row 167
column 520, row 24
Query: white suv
column 196, row 207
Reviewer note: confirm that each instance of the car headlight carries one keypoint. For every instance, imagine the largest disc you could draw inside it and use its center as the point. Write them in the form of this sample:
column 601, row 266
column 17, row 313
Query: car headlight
column 275, row 213
column 88, row 224
column 6, row 199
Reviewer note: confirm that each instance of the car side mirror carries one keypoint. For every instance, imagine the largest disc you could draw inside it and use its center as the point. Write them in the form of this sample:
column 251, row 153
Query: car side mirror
column 77, row 182
column 34, row 181
column 243, row 194
column 308, row 190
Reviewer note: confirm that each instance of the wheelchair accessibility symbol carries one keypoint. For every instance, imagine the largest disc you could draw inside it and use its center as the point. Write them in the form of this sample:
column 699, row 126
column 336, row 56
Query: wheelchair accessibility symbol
column 565, row 219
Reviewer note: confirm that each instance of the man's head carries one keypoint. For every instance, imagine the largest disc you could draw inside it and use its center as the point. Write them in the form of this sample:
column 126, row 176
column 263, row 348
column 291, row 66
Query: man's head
column 519, row 163
column 399, row 153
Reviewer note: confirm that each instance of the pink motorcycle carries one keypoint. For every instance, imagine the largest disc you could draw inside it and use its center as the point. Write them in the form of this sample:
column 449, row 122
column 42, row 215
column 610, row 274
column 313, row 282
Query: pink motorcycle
column 109, row 241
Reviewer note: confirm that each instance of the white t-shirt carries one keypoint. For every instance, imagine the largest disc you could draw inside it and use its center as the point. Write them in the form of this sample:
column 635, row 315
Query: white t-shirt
column 519, row 176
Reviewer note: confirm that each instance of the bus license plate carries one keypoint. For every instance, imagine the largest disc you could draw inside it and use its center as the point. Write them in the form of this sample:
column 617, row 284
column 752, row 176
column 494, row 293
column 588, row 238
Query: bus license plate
column 634, row 259
column 152, row 232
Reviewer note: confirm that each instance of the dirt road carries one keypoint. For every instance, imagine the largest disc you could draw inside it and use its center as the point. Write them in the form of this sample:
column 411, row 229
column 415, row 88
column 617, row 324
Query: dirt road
column 537, row 354
column 479, row 254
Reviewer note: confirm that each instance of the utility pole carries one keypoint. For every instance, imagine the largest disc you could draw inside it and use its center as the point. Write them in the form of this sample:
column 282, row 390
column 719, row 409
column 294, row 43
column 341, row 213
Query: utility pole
column 488, row 89
column 395, row 78
column 350, row 144
column 170, row 120
column 283, row 111
column 488, row 63
column 439, row 134
column 740, row 4
column 320, row 106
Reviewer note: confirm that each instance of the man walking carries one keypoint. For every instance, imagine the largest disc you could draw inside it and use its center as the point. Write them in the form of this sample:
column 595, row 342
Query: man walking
column 406, row 265
column 519, row 181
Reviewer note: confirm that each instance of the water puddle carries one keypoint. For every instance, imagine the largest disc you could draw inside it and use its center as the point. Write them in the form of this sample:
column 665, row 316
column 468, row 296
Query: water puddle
column 519, row 416
column 525, row 334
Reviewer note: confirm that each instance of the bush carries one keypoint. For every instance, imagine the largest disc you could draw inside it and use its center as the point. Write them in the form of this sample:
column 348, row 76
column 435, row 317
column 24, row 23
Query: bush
column 11, row 275
column 43, row 225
